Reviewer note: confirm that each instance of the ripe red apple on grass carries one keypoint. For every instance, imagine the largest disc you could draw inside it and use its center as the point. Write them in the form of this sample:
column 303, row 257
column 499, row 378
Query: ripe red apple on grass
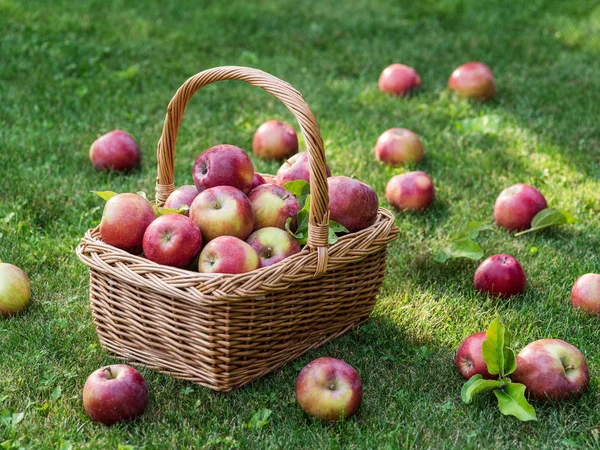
column 410, row 191
column 552, row 369
column 469, row 357
column 116, row 150
column 222, row 211
column 223, row 165
column 296, row 168
column 500, row 275
column 517, row 205
column 228, row 254
column 272, row 206
column 172, row 240
column 15, row 290
column 273, row 245
column 329, row 389
column 586, row 293
column 124, row 221
column 275, row 140
column 399, row 79
column 473, row 80
column 115, row 393
column 183, row 195
column 398, row 146
column 352, row 203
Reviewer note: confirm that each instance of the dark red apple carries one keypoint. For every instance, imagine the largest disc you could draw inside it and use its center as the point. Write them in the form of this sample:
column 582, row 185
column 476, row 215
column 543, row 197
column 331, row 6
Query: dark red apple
column 398, row 146
column 469, row 357
column 228, row 254
column 172, row 240
column 500, row 275
column 223, row 165
column 399, row 79
column 275, row 140
column 296, row 168
column 586, row 293
column 116, row 150
column 410, row 191
column 183, row 195
column 473, row 80
column 352, row 203
column 257, row 180
column 517, row 205
column 115, row 393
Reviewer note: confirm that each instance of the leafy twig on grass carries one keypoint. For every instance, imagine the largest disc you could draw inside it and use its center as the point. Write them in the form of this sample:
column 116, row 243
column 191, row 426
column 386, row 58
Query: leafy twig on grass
column 549, row 217
column 463, row 245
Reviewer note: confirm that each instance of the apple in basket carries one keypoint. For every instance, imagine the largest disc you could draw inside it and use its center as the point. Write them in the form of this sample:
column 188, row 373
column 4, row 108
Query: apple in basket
column 222, row 211
column 183, row 195
column 172, row 240
column 275, row 140
column 228, row 254
column 273, row 245
column 116, row 150
column 352, row 203
column 517, row 205
column 124, row 221
column 223, row 165
column 296, row 168
column 399, row 79
column 272, row 206
column 15, row 290
column 473, row 80
column 115, row 393
column 410, row 191
column 398, row 146
column 329, row 389
column 257, row 180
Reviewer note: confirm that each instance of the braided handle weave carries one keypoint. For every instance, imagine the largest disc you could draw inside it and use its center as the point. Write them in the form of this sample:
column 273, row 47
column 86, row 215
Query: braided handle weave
column 292, row 99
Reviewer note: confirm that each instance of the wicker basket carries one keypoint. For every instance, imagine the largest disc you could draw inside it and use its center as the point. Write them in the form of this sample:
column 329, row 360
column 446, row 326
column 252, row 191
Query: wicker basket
column 220, row 330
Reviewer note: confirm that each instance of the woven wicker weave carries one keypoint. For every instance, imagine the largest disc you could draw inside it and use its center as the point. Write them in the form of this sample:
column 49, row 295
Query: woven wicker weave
column 220, row 330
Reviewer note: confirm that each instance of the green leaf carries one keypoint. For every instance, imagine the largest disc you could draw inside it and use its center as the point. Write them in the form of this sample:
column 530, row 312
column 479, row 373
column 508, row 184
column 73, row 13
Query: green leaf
column 299, row 189
column 106, row 195
column 160, row 211
column 260, row 419
column 472, row 229
column 441, row 256
column 475, row 385
column 462, row 245
column 466, row 248
column 302, row 221
column 289, row 230
column 337, row 227
column 142, row 194
column 488, row 124
column 56, row 393
column 17, row 418
column 512, row 401
column 549, row 218
column 497, row 354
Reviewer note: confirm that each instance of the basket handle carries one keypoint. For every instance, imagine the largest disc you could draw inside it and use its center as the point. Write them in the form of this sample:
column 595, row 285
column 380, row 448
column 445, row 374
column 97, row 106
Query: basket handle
column 319, row 215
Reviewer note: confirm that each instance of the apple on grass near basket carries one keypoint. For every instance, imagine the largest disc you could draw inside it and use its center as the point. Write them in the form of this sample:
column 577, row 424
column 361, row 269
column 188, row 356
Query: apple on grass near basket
column 469, row 357
column 116, row 150
column 398, row 146
column 275, row 140
column 500, row 275
column 473, row 80
column 586, row 293
column 15, row 290
column 410, row 191
column 517, row 205
column 223, row 165
column 399, row 79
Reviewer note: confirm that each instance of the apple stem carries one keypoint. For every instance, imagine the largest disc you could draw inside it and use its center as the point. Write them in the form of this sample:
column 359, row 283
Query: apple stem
column 286, row 197
column 288, row 163
column 572, row 366
column 110, row 374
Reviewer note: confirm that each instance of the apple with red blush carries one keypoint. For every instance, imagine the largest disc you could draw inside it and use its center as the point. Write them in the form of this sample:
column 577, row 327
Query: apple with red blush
column 399, row 79
column 275, row 139
column 228, row 254
column 172, row 240
column 399, row 146
column 114, row 394
column 296, row 168
column 182, row 196
column 223, row 165
column 15, row 290
column 469, row 357
column 272, row 206
column 586, row 293
column 473, row 80
column 273, row 245
column 517, row 205
column 257, row 180
column 352, row 203
column 115, row 150
column 410, row 191
column 500, row 275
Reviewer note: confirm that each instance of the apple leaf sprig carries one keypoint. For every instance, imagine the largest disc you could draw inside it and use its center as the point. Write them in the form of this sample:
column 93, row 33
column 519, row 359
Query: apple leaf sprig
column 549, row 217
column 159, row 211
column 301, row 190
column 500, row 360
column 463, row 244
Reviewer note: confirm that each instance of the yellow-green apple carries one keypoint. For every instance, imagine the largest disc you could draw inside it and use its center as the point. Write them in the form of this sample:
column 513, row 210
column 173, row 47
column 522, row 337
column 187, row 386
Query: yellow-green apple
column 228, row 254
column 399, row 79
column 275, row 140
column 223, row 165
column 272, row 206
column 500, row 275
column 552, row 369
column 273, row 245
column 222, row 211
column 115, row 393
column 172, row 240
column 410, row 191
column 116, row 150
column 15, row 290
column 398, row 146
column 352, row 203
column 257, row 180
column 296, row 168
column 124, row 221
column 473, row 80
column 586, row 293
column 183, row 195
column 469, row 357
column 329, row 389
column 517, row 205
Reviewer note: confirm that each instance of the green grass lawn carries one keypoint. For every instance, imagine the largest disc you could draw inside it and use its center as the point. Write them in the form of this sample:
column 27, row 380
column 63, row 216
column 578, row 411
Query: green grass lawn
column 70, row 71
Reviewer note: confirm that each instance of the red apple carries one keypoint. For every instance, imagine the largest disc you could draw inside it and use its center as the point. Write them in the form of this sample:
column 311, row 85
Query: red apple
column 269, row 179
column 183, row 195
column 116, row 150
column 329, row 389
column 15, row 290
column 551, row 369
column 469, row 357
column 228, row 254
column 352, row 203
column 399, row 79
column 296, row 168
column 115, row 393
column 223, row 165
column 124, row 221
column 473, row 80
column 500, row 275
column 257, row 180
column 586, row 293
column 273, row 245
column 398, row 146
column 275, row 140
column 410, row 191
column 517, row 205
column 222, row 211
column 272, row 206
column 172, row 240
